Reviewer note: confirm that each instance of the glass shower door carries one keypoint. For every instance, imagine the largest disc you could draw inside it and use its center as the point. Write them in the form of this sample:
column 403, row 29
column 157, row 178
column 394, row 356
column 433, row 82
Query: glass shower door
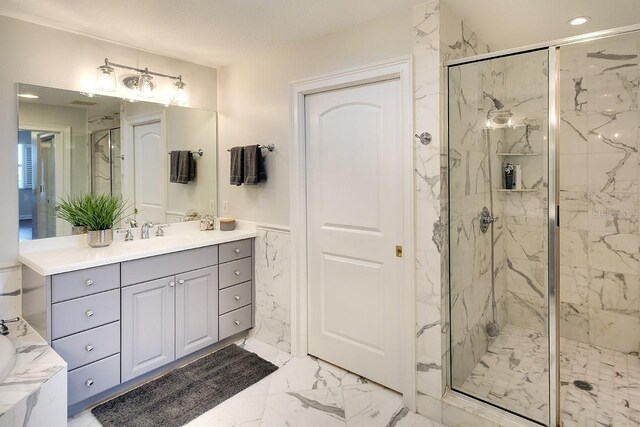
column 498, row 117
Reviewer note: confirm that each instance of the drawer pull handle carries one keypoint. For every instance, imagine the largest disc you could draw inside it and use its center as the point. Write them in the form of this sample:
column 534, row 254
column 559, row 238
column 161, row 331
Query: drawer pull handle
column 237, row 272
column 89, row 313
column 181, row 281
column 237, row 322
column 89, row 282
column 236, row 250
column 172, row 284
column 89, row 383
column 237, row 297
column 89, row 347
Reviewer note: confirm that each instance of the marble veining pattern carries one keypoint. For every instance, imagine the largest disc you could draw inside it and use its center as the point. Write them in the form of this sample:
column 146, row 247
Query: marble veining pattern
column 22, row 393
column 304, row 392
column 514, row 372
column 10, row 292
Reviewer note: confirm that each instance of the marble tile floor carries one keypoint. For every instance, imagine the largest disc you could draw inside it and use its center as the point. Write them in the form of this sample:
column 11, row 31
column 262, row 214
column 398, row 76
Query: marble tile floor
column 303, row 392
column 513, row 374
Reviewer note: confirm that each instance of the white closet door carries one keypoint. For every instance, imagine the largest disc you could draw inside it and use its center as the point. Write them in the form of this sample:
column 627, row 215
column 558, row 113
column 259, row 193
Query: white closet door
column 354, row 205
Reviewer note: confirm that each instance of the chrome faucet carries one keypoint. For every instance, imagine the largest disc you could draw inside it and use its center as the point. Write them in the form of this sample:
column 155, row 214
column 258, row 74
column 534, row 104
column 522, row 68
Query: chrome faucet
column 144, row 230
column 132, row 223
column 160, row 229
column 3, row 328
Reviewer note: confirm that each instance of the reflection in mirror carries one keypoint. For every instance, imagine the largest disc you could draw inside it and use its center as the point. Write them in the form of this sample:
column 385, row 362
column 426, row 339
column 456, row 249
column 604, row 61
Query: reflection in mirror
column 71, row 144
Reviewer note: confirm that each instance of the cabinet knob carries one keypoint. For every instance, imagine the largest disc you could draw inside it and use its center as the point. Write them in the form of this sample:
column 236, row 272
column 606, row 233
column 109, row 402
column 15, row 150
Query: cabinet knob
column 172, row 284
column 89, row 313
column 236, row 250
column 89, row 347
column 237, row 297
column 89, row 383
column 237, row 322
column 181, row 282
column 88, row 282
column 237, row 272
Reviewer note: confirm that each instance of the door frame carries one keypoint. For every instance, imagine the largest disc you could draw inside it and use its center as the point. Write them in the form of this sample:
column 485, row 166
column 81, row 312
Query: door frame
column 63, row 158
column 393, row 69
column 127, row 126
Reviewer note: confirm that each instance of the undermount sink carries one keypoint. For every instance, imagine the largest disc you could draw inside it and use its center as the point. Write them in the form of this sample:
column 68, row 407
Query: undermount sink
column 7, row 356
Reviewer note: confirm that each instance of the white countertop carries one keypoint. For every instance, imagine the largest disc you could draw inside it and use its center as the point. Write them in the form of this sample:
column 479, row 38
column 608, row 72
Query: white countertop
column 62, row 254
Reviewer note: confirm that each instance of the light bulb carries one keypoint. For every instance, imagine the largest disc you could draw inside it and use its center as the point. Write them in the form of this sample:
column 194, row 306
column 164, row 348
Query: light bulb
column 106, row 78
column 179, row 93
column 145, row 85
column 510, row 122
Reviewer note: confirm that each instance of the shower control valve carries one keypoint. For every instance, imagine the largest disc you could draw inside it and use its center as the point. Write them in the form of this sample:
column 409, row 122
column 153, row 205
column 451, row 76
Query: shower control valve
column 486, row 219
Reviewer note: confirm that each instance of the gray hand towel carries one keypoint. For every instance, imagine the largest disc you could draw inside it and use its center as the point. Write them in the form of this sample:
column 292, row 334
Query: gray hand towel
column 254, row 171
column 237, row 164
column 184, row 167
column 173, row 166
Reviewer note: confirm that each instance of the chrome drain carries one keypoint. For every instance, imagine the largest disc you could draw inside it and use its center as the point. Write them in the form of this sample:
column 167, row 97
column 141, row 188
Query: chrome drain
column 583, row 385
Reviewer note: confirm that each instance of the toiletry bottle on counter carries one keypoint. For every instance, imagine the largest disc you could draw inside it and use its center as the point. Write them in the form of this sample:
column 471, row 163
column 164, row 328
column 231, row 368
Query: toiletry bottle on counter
column 517, row 176
column 508, row 176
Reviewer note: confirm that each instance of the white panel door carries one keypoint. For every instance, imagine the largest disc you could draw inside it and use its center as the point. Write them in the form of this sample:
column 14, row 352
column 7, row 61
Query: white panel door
column 354, row 197
column 149, row 176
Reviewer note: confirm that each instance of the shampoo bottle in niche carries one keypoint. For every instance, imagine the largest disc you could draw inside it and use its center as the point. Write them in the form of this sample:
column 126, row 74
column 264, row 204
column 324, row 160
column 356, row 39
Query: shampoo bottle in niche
column 508, row 176
column 517, row 177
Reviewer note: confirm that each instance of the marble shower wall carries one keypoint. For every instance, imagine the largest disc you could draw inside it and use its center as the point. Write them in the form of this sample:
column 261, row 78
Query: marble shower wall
column 599, row 173
column 10, row 291
column 438, row 36
column 273, row 288
column 102, row 151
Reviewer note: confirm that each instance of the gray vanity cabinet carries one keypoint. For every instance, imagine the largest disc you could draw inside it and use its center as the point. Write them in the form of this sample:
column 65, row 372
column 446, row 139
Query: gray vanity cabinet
column 196, row 310
column 148, row 326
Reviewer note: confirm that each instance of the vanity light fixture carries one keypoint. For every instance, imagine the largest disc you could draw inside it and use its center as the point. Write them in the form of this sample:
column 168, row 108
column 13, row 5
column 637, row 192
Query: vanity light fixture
column 142, row 84
column 28, row 96
column 578, row 20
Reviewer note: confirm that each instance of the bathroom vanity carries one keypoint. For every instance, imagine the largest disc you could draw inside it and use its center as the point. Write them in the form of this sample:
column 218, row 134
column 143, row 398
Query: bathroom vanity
column 121, row 314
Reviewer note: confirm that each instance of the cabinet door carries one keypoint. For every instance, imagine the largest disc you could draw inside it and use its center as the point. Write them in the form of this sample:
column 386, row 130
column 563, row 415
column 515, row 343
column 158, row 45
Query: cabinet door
column 148, row 327
column 196, row 310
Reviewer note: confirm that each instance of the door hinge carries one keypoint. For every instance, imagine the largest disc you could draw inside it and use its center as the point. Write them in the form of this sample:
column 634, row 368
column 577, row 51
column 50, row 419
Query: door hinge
column 399, row 251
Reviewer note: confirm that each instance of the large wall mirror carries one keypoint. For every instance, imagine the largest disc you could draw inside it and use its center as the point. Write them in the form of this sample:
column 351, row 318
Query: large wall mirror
column 71, row 144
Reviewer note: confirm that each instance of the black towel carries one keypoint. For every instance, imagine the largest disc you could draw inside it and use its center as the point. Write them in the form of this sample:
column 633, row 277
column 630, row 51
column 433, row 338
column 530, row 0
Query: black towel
column 237, row 164
column 186, row 167
column 173, row 166
column 254, row 171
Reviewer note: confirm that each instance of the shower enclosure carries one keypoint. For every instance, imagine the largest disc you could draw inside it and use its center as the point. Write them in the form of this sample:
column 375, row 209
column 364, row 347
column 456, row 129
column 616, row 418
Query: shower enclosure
column 544, row 242
column 106, row 162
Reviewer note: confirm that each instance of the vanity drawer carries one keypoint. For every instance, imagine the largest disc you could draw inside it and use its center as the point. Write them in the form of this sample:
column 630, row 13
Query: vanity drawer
column 81, row 283
column 234, row 322
column 84, row 313
column 89, row 346
column 234, row 297
column 93, row 379
column 235, row 272
column 157, row 267
column 235, row 250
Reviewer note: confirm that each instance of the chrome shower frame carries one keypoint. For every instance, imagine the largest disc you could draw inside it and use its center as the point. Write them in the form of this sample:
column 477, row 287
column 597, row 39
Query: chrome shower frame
column 553, row 220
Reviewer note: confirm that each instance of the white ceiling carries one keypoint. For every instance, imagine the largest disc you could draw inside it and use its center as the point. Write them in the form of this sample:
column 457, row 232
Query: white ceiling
column 209, row 32
column 507, row 24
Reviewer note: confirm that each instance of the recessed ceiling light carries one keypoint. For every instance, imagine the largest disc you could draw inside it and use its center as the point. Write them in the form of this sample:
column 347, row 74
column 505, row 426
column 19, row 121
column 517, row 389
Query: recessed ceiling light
column 578, row 20
column 28, row 95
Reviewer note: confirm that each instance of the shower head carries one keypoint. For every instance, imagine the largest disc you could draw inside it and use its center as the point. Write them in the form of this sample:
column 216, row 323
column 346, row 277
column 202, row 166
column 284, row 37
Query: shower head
column 496, row 102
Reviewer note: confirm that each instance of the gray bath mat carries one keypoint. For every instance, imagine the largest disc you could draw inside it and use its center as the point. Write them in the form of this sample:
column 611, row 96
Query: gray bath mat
column 186, row 393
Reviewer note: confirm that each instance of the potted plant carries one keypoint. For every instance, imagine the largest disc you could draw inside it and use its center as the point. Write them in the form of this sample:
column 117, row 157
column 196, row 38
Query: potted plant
column 99, row 213
column 68, row 210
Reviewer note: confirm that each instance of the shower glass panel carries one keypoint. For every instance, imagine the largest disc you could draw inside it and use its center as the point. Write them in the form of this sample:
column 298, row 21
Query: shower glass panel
column 498, row 239
column 106, row 161
column 599, row 233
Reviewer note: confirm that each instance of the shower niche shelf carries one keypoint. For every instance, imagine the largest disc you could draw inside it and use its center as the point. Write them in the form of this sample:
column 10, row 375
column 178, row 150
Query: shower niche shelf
column 522, row 190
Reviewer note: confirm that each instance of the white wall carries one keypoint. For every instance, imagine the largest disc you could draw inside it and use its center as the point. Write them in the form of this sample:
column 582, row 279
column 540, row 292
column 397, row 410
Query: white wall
column 44, row 56
column 253, row 104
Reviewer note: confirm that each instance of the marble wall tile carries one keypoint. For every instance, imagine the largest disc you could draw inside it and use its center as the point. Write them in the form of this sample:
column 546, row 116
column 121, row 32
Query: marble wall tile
column 614, row 330
column 10, row 292
column 575, row 209
column 614, row 252
column 574, row 285
column 273, row 288
column 574, row 247
column 574, row 321
column 614, row 292
column 613, row 212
